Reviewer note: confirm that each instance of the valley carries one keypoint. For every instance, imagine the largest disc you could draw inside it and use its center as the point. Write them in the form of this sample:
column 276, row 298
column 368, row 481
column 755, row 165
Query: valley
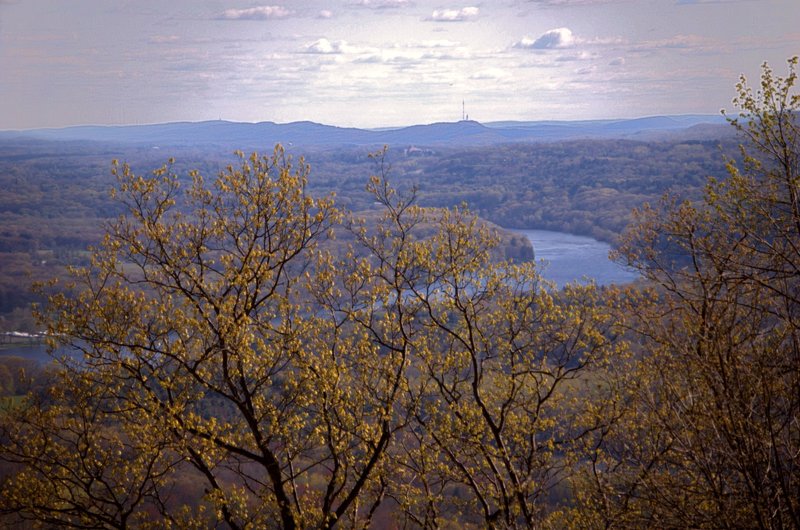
column 60, row 180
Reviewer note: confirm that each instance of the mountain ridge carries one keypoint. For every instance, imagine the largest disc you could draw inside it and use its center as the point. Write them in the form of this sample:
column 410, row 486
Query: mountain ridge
column 309, row 133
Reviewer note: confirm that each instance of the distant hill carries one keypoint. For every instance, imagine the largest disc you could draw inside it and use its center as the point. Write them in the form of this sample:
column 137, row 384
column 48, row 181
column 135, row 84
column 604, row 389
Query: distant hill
column 634, row 128
column 306, row 133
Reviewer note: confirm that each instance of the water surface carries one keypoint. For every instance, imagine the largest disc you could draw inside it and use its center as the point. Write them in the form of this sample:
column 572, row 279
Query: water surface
column 36, row 351
column 571, row 258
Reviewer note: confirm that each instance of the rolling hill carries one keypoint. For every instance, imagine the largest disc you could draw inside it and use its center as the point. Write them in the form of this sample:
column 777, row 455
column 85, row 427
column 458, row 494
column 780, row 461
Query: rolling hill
column 306, row 133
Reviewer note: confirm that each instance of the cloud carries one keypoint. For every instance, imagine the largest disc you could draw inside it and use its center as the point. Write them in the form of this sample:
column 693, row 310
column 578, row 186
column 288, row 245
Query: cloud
column 256, row 13
column 555, row 38
column 617, row 61
column 442, row 43
column 394, row 53
column 421, row 44
column 395, row 59
column 325, row 47
column 454, row 15
column 383, row 4
column 452, row 55
column 604, row 41
column 325, row 13
column 490, row 74
column 571, row 57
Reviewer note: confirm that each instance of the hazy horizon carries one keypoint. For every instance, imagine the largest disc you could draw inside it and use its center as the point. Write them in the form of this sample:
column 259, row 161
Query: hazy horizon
column 381, row 63
column 378, row 127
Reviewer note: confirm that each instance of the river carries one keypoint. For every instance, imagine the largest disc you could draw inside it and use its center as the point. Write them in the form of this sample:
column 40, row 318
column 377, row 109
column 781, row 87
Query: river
column 571, row 258
column 568, row 258
column 34, row 350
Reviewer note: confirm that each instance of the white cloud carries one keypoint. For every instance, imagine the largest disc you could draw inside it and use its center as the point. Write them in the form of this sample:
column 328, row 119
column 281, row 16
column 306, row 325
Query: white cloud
column 582, row 56
column 415, row 55
column 435, row 44
column 603, row 41
column 256, row 13
column 394, row 53
column 326, row 47
column 452, row 55
column 393, row 59
column 555, row 38
column 325, row 13
column 454, row 15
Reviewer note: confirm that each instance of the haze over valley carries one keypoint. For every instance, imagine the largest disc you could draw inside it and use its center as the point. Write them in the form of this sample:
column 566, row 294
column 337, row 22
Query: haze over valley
column 580, row 178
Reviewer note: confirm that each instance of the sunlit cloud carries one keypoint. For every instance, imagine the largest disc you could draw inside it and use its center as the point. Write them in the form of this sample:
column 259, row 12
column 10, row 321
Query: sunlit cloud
column 410, row 54
column 322, row 46
column 395, row 59
column 450, row 55
column 325, row 47
column 555, row 38
column 454, row 15
column 421, row 44
column 256, row 13
column 436, row 44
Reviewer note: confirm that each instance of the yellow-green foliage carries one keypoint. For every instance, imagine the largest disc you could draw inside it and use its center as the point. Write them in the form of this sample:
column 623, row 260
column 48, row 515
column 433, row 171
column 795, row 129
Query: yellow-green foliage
column 223, row 338
column 711, row 438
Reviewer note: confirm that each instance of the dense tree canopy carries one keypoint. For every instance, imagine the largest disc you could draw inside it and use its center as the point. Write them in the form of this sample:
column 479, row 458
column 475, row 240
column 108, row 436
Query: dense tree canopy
column 712, row 438
column 238, row 368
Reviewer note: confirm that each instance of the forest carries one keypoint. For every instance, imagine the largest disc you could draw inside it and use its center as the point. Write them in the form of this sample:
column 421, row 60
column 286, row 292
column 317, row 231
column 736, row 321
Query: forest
column 276, row 341
column 61, row 190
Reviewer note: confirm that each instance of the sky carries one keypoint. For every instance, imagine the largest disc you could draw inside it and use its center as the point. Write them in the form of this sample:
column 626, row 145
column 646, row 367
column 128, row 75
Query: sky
column 381, row 63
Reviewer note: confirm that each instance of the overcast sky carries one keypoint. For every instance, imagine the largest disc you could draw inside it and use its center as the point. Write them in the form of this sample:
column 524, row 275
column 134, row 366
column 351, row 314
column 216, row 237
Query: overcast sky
column 372, row 63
